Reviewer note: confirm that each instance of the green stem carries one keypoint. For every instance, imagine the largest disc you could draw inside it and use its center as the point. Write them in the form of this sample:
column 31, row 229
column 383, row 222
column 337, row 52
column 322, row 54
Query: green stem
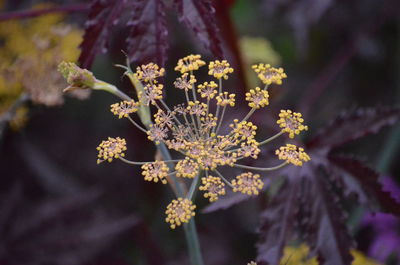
column 193, row 243
column 190, row 228
column 271, row 138
column 261, row 168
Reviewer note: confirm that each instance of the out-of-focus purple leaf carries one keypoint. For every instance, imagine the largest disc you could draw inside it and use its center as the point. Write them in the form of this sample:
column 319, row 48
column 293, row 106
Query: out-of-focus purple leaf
column 277, row 222
column 351, row 126
column 68, row 230
column 103, row 16
column 326, row 231
column 369, row 180
column 147, row 41
column 306, row 206
column 198, row 15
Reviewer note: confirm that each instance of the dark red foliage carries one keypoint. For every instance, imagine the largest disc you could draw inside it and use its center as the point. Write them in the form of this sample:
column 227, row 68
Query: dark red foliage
column 199, row 16
column 148, row 31
column 147, row 41
column 103, row 16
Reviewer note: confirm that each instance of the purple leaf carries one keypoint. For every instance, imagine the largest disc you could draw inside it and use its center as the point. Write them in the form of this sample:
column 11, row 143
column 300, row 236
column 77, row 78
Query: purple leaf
column 305, row 206
column 369, row 180
column 327, row 233
column 103, row 16
column 198, row 15
column 351, row 126
column 147, row 41
column 277, row 222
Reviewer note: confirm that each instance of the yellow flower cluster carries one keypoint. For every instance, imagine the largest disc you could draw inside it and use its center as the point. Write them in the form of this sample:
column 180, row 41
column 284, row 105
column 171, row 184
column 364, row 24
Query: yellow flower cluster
column 124, row 108
column 187, row 168
column 189, row 63
column 220, row 69
column 193, row 130
column 291, row 122
column 111, row 148
column 155, row 171
column 179, row 211
column 292, row 154
column 212, row 187
column 269, row 74
column 149, row 72
column 257, row 98
column 248, row 183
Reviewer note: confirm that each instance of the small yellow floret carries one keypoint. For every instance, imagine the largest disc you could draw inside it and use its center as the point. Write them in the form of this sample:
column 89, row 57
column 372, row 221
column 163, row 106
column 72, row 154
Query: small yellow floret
column 207, row 90
column 292, row 154
column 257, row 98
column 225, row 99
column 291, row 122
column 149, row 72
column 179, row 211
column 220, row 69
column 124, row 108
column 212, row 187
column 187, row 168
column 248, row 183
column 111, row 148
column 189, row 63
column 155, row 171
column 184, row 83
column 268, row 74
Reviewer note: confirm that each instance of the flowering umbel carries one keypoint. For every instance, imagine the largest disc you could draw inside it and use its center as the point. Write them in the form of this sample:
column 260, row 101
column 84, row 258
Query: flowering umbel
column 196, row 130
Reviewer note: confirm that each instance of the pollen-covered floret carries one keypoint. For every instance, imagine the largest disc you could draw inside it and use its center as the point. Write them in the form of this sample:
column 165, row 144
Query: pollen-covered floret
column 248, row 183
column 111, row 148
column 212, row 187
column 197, row 108
column 257, row 98
column 149, row 72
column 220, row 69
column 207, row 90
column 244, row 130
column 292, row 154
column 291, row 122
column 187, row 168
column 225, row 99
column 151, row 93
column 179, row 211
column 157, row 133
column 155, row 171
column 268, row 74
column 189, row 63
column 124, row 108
column 184, row 83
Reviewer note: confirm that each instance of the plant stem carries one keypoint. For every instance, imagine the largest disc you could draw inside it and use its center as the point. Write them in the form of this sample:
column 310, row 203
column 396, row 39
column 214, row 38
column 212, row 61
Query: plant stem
column 189, row 228
column 193, row 243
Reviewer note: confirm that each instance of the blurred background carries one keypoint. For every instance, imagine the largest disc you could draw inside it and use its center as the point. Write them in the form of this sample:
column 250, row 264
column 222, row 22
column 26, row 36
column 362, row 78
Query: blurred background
column 57, row 206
